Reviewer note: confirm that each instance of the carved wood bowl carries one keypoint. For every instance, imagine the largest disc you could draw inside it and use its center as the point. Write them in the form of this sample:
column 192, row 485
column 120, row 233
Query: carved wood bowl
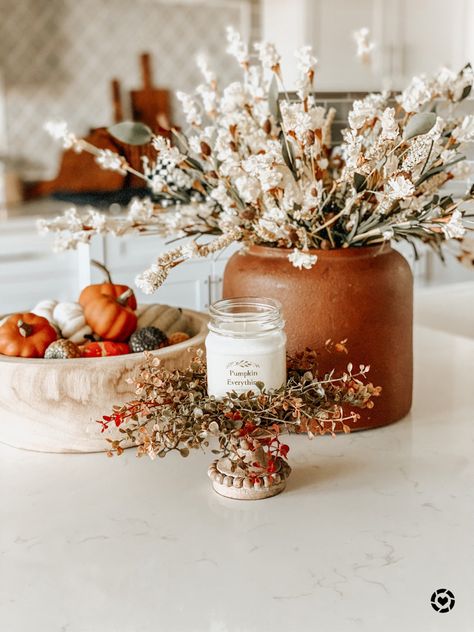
column 53, row 405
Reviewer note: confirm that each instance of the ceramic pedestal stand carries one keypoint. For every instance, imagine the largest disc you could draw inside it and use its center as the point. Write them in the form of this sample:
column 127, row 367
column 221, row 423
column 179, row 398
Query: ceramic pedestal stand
column 250, row 479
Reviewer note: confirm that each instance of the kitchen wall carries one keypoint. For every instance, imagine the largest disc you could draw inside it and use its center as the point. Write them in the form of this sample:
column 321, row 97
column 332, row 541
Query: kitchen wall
column 58, row 56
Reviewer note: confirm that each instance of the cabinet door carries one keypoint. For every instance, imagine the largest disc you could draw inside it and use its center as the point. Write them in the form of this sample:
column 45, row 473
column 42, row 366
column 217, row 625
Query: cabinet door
column 410, row 36
column 29, row 269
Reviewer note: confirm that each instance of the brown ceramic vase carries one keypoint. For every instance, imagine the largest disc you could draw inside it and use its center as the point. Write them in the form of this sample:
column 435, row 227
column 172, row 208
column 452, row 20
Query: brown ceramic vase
column 362, row 294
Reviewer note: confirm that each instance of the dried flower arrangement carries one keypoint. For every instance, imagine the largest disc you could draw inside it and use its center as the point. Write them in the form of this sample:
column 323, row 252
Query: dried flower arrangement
column 172, row 411
column 259, row 167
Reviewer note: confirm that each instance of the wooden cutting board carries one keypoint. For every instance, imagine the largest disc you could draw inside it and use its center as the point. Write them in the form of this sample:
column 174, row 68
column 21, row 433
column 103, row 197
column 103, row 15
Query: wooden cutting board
column 149, row 104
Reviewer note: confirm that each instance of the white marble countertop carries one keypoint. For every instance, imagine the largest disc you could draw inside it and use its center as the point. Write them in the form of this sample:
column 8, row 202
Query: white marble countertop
column 369, row 526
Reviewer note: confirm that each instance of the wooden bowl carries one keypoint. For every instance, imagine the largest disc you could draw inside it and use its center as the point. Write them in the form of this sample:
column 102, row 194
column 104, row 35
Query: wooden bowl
column 53, row 405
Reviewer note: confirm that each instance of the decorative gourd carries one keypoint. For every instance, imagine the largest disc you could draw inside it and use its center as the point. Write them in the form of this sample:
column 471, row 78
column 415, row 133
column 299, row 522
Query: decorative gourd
column 147, row 339
column 26, row 336
column 71, row 321
column 177, row 337
column 168, row 319
column 110, row 318
column 105, row 348
column 62, row 350
column 91, row 292
column 45, row 309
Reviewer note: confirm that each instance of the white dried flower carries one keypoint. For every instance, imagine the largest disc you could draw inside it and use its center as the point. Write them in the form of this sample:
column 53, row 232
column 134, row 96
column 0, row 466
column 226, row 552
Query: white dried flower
column 140, row 210
column 207, row 73
column 389, row 124
column 419, row 91
column 150, row 280
column 190, row 250
column 233, row 97
column 59, row 131
column 236, row 47
column 305, row 60
column 160, row 143
column 445, row 79
column 269, row 178
column 208, row 98
column 364, row 45
column 301, row 259
column 222, row 197
column 303, row 87
column 108, row 159
column 363, row 111
column 400, row 187
column 268, row 55
column 452, row 85
column 248, row 188
column 296, row 120
column 464, row 133
column 190, row 108
column 98, row 221
column 255, row 164
column 454, row 229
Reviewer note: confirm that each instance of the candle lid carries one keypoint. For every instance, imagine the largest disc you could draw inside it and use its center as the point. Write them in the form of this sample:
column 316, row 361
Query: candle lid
column 246, row 316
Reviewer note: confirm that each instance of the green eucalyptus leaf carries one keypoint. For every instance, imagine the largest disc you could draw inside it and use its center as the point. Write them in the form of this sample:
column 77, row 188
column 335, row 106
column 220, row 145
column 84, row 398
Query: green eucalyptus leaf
column 287, row 153
column 438, row 169
column 466, row 92
column 446, row 201
column 180, row 141
column 194, row 163
column 131, row 133
column 360, row 182
column 419, row 124
column 273, row 100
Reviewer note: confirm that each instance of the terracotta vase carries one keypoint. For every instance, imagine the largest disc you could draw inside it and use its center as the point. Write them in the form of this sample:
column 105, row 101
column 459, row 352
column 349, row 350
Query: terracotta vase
column 364, row 295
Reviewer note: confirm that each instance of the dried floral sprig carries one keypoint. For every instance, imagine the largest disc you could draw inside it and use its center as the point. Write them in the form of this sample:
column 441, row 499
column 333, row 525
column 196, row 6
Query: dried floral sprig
column 172, row 411
column 258, row 167
column 364, row 45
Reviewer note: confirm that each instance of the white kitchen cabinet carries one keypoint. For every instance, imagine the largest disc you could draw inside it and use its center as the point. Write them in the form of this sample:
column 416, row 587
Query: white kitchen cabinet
column 411, row 36
column 29, row 270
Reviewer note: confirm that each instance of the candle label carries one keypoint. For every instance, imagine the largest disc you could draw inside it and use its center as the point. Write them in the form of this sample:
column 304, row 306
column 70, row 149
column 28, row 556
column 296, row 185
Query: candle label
column 226, row 373
column 243, row 374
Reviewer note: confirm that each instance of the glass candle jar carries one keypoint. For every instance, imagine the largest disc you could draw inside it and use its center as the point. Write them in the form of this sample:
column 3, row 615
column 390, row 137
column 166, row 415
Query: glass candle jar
column 246, row 344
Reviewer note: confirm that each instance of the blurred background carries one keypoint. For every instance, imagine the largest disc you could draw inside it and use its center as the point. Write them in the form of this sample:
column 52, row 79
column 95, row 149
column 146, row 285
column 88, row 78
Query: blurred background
column 95, row 62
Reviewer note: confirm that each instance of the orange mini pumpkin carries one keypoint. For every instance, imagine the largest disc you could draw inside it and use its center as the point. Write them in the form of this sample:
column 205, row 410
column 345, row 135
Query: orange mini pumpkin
column 110, row 318
column 26, row 336
column 91, row 292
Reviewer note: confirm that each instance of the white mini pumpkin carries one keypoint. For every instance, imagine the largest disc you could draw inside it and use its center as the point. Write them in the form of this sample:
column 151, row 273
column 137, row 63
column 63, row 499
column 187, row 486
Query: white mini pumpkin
column 168, row 319
column 45, row 309
column 70, row 319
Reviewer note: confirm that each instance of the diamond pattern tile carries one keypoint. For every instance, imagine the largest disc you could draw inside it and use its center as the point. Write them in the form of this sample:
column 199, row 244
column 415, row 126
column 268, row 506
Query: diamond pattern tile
column 57, row 58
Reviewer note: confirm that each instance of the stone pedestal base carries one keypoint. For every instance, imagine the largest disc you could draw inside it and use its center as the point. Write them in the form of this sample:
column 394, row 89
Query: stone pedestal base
column 244, row 485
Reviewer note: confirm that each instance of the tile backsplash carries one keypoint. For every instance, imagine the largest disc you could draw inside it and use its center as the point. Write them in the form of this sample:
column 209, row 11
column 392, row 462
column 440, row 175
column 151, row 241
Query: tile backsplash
column 57, row 58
